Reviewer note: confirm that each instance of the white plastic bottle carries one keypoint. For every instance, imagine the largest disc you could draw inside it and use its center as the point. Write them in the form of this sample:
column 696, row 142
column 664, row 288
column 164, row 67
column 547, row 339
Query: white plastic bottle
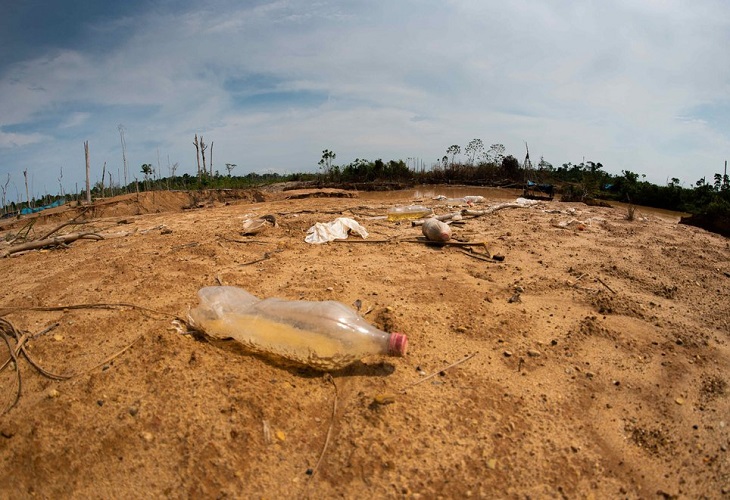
column 325, row 335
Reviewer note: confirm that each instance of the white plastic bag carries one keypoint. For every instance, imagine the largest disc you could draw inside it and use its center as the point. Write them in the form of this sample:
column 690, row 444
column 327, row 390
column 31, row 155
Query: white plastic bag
column 338, row 229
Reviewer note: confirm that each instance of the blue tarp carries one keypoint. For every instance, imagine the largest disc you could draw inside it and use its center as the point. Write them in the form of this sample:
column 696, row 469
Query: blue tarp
column 26, row 211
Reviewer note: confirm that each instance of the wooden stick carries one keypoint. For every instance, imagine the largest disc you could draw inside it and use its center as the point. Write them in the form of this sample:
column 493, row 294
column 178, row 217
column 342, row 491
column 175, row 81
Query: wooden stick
column 467, row 358
column 14, row 358
column 441, row 217
column 604, row 284
column 72, row 222
column 329, row 429
column 479, row 257
column 449, row 243
column 49, row 242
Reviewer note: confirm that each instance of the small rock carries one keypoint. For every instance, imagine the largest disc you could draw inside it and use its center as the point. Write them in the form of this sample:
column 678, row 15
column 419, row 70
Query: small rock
column 280, row 435
column 166, row 231
column 148, row 436
column 53, row 393
column 461, row 329
column 384, row 398
column 492, row 463
column 7, row 432
column 590, row 374
column 133, row 410
column 507, row 354
column 679, row 401
column 534, row 353
column 58, row 337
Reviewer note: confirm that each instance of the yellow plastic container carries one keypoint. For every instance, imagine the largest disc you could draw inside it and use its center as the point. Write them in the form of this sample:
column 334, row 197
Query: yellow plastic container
column 411, row 212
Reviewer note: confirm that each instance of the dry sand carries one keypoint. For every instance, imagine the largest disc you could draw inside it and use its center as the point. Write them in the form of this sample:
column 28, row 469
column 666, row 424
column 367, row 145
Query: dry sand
column 599, row 369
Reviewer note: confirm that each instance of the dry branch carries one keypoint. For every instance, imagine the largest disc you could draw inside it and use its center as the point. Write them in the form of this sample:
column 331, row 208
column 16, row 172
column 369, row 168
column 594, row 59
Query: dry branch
column 329, row 429
column 50, row 242
column 455, row 363
column 491, row 210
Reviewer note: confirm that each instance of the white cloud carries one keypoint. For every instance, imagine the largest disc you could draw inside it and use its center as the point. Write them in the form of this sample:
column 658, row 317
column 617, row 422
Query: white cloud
column 616, row 83
column 15, row 140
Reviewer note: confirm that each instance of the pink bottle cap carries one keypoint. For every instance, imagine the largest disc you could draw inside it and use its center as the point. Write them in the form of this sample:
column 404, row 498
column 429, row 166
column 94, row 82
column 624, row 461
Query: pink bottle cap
column 397, row 344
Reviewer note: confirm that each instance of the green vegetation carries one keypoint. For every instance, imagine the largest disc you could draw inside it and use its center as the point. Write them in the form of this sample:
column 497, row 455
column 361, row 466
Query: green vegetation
column 586, row 181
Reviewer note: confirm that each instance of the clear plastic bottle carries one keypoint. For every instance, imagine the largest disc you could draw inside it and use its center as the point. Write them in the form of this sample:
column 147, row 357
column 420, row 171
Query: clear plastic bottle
column 407, row 213
column 325, row 335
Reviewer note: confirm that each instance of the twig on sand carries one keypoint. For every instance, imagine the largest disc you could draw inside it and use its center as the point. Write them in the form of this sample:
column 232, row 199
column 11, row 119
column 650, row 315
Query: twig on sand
column 447, row 243
column 15, row 341
column 329, row 429
column 604, row 284
column 477, row 256
column 266, row 256
column 466, row 358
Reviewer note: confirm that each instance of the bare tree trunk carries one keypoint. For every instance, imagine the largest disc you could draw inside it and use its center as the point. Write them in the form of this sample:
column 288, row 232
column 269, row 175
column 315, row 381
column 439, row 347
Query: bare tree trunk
column 203, row 147
column 211, row 158
column 197, row 153
column 103, row 174
column 88, row 172
column 120, row 127
column 27, row 193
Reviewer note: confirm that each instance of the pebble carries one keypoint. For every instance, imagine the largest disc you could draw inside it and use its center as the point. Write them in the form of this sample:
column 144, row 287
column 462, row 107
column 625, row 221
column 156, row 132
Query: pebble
column 280, row 435
column 53, row 393
column 679, row 401
column 147, row 436
column 384, row 398
column 534, row 353
column 507, row 354
column 58, row 337
column 492, row 463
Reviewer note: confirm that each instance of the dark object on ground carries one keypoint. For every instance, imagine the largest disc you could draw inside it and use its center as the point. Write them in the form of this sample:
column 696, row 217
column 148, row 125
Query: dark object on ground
column 719, row 224
column 534, row 191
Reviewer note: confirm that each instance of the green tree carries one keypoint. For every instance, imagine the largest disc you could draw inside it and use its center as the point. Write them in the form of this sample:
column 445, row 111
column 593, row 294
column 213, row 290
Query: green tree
column 545, row 165
column 147, row 171
column 325, row 164
column 453, row 150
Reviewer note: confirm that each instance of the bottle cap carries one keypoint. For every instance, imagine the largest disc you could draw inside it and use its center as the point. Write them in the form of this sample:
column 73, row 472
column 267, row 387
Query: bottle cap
column 397, row 344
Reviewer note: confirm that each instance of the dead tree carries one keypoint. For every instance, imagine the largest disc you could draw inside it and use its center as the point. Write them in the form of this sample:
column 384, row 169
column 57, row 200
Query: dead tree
column 27, row 193
column 203, row 147
column 88, row 172
column 197, row 152
column 211, row 158
column 103, row 174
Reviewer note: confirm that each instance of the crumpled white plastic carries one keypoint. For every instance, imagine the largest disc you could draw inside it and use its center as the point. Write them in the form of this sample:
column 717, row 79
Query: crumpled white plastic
column 524, row 202
column 338, row 229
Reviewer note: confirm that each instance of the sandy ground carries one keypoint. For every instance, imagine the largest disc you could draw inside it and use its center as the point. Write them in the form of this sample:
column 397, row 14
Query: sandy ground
column 599, row 369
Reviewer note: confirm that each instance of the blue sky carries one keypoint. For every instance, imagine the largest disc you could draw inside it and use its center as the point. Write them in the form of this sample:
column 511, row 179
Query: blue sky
column 641, row 86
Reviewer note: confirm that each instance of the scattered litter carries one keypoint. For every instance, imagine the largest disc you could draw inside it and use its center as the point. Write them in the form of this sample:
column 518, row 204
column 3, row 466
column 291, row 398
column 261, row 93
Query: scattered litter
column 526, row 203
column 324, row 335
column 408, row 213
column 255, row 226
column 435, row 230
column 339, row 229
